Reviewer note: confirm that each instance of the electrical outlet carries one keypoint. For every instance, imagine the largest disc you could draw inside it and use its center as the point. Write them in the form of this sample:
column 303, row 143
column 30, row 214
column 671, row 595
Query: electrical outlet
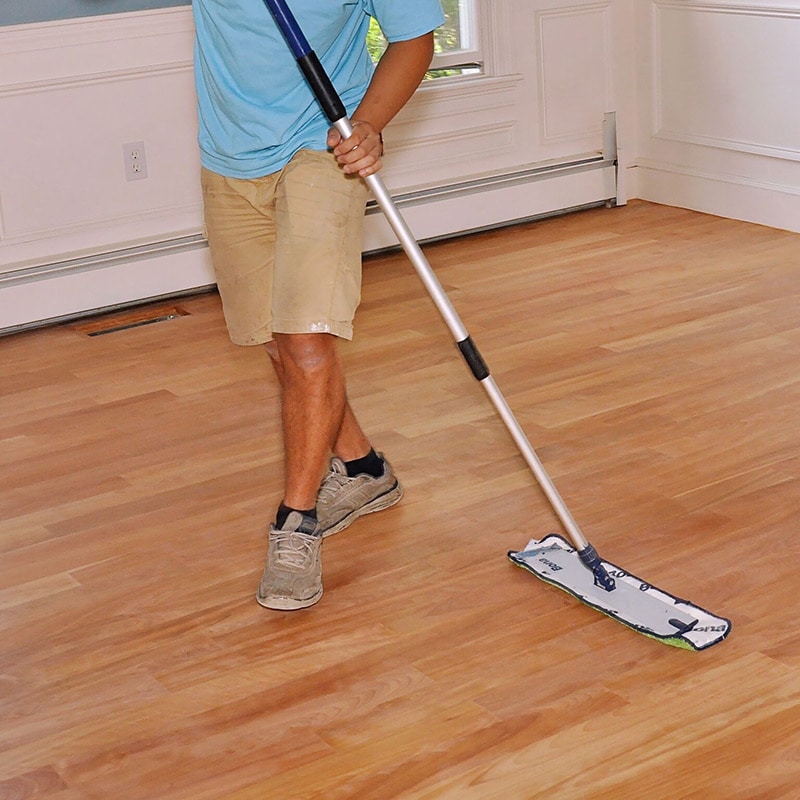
column 135, row 161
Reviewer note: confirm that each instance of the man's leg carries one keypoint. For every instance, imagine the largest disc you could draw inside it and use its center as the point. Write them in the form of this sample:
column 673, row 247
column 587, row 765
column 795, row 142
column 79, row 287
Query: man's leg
column 359, row 481
column 312, row 405
column 312, row 411
column 350, row 442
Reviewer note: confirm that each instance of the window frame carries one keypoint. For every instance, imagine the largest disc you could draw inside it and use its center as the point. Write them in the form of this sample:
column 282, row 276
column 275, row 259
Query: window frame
column 489, row 53
column 470, row 56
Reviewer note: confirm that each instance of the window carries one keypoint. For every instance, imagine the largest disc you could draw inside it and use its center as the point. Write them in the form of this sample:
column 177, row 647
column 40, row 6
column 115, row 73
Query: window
column 456, row 45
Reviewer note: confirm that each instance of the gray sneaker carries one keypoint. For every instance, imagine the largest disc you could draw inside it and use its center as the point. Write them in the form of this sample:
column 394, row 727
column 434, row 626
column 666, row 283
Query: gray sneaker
column 342, row 500
column 293, row 573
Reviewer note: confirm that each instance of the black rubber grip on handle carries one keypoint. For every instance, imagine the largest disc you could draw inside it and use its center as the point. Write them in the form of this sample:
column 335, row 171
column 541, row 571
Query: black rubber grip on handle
column 473, row 358
column 322, row 87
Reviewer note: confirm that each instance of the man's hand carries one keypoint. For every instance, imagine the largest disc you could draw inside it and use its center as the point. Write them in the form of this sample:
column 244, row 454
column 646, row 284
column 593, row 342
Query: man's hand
column 397, row 75
column 360, row 153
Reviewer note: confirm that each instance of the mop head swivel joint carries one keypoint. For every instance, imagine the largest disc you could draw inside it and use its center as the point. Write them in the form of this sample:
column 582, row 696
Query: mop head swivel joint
column 620, row 595
column 592, row 561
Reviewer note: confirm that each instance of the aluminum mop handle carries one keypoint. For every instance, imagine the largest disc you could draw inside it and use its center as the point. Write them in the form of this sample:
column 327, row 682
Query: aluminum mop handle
column 334, row 109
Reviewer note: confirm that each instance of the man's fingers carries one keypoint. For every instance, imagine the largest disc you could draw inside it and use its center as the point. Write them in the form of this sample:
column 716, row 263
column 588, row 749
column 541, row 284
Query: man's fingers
column 364, row 166
column 360, row 152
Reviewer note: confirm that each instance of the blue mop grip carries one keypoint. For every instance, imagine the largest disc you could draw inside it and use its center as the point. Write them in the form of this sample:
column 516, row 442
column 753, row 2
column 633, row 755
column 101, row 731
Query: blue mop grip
column 291, row 30
column 307, row 60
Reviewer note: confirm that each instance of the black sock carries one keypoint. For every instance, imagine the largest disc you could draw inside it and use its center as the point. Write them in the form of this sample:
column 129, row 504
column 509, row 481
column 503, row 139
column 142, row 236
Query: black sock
column 370, row 464
column 284, row 511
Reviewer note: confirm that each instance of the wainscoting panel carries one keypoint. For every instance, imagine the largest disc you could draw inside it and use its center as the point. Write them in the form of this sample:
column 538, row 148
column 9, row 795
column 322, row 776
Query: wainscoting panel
column 575, row 56
column 715, row 89
column 718, row 114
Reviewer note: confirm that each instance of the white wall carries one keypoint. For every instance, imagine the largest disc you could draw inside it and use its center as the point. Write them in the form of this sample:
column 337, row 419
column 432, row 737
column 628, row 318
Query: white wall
column 75, row 235
column 719, row 108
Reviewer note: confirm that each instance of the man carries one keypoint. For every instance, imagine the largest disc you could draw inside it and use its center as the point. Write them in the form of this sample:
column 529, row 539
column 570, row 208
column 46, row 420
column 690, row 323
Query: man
column 284, row 205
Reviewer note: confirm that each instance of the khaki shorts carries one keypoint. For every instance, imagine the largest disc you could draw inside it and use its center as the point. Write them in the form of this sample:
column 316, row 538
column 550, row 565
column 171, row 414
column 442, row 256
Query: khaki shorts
column 286, row 248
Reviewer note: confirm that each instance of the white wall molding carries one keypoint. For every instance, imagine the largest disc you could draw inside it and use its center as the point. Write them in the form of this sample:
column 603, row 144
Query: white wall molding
column 787, row 9
column 737, row 145
column 95, row 45
column 111, row 76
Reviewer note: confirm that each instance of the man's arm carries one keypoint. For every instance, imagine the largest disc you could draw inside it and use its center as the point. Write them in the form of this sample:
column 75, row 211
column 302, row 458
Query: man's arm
column 397, row 76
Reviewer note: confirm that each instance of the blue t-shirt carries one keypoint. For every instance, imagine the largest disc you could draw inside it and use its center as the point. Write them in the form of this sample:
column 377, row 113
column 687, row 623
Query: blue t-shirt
column 256, row 109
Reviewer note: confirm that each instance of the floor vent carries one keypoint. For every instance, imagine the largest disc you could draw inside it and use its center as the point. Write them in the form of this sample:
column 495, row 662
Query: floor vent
column 124, row 320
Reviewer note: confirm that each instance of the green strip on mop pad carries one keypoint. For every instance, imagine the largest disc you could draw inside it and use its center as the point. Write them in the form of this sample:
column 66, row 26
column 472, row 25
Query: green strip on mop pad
column 633, row 602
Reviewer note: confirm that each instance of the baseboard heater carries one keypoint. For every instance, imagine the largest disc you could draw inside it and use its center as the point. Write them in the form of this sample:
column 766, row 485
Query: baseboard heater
column 68, row 289
column 494, row 182
column 492, row 201
column 114, row 258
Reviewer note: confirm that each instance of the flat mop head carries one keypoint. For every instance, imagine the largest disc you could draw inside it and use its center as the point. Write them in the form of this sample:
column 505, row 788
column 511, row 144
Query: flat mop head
column 633, row 602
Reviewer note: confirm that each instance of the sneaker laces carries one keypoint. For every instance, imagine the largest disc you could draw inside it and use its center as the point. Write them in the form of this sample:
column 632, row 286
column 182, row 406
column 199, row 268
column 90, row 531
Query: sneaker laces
column 294, row 551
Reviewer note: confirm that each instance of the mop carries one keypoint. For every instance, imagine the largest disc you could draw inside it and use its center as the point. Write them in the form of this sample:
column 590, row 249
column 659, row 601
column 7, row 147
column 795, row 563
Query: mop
column 574, row 566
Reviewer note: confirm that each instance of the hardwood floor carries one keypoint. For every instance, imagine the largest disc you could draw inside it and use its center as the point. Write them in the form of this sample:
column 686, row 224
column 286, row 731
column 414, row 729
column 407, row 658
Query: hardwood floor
column 651, row 354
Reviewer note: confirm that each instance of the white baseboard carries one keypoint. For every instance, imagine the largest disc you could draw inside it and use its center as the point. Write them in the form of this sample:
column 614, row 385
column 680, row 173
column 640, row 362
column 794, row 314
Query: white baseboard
column 67, row 291
column 731, row 196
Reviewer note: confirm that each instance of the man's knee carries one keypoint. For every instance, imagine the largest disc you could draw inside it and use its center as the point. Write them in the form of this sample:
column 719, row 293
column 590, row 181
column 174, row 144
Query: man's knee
column 305, row 353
